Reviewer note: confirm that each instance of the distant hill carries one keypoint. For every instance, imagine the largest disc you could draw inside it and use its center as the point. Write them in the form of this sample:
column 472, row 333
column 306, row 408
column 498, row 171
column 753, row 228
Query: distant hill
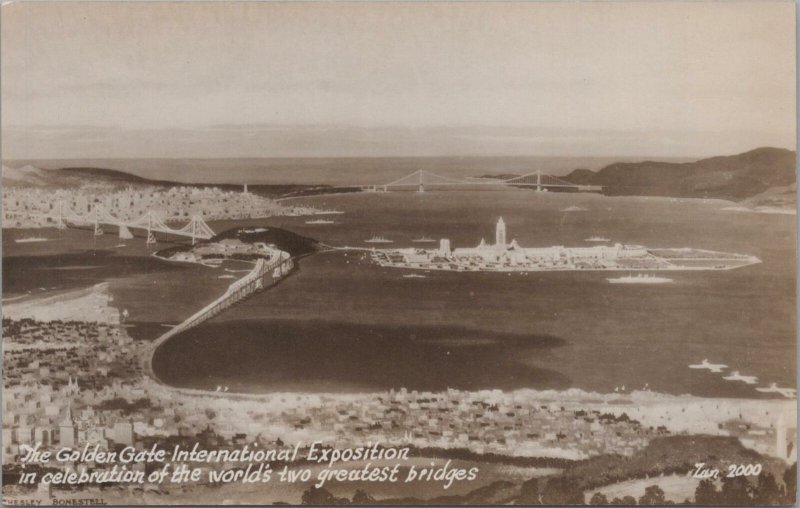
column 765, row 175
column 776, row 197
column 102, row 179
column 109, row 175
column 734, row 177
column 27, row 176
column 30, row 176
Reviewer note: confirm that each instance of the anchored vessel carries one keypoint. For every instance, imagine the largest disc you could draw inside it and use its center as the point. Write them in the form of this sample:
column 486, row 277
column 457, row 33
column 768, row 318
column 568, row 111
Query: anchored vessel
column 378, row 239
column 640, row 279
column 32, row 239
column 319, row 221
column 424, row 239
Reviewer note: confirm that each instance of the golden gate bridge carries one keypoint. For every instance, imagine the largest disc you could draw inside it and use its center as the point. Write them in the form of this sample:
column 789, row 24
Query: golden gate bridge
column 422, row 179
column 62, row 215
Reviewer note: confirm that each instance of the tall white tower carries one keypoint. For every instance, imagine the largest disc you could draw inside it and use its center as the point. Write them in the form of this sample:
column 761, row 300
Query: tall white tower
column 500, row 233
column 444, row 247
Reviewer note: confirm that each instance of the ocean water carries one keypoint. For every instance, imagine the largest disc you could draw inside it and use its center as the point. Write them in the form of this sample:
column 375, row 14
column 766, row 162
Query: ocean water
column 331, row 170
column 342, row 324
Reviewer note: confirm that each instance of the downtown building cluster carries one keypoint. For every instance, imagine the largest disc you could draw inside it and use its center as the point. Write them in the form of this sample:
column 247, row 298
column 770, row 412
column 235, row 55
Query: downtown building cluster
column 28, row 207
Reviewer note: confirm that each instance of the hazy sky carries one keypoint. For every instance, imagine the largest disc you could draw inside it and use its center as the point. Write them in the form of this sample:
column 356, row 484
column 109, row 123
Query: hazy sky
column 313, row 79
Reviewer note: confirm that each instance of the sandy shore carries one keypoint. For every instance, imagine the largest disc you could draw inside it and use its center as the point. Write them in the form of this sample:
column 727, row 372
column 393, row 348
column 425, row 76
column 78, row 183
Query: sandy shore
column 92, row 304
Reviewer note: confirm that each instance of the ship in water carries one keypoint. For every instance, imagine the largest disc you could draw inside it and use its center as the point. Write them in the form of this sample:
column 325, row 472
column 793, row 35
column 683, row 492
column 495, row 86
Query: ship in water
column 640, row 279
column 378, row 239
column 31, row 239
column 423, row 239
column 319, row 221
column 596, row 239
column 413, row 276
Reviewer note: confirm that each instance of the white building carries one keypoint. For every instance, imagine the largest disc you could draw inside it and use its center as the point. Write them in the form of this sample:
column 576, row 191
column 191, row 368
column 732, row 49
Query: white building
column 512, row 253
column 500, row 233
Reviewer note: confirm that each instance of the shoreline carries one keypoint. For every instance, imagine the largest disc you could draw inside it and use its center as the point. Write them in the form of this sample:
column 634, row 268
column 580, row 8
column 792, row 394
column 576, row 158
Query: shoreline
column 75, row 302
column 70, row 304
column 676, row 414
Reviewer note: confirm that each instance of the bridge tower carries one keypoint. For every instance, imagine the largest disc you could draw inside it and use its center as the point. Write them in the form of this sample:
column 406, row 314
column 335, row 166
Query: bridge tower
column 194, row 223
column 421, row 184
column 151, row 238
column 98, row 230
column 61, row 224
column 539, row 181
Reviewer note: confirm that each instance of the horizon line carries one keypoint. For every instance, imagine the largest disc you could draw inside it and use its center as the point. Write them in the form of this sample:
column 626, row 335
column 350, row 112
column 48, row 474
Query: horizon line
column 449, row 156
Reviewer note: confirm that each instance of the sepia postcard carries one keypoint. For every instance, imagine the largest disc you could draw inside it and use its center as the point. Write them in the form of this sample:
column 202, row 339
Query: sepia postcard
column 399, row 253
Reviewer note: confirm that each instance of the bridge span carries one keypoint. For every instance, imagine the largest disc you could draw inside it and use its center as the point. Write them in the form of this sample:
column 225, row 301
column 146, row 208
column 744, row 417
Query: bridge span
column 63, row 214
column 422, row 180
column 264, row 273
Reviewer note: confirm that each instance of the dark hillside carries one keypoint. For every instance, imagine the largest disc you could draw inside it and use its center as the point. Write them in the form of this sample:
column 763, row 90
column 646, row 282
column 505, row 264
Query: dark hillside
column 734, row 177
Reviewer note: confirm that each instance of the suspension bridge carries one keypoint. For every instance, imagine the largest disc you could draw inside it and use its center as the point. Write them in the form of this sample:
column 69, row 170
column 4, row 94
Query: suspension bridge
column 264, row 274
column 63, row 215
column 542, row 182
column 422, row 180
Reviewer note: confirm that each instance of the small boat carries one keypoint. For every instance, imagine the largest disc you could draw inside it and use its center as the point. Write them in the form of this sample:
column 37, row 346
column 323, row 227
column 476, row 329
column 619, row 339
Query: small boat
column 413, row 276
column 639, row 279
column 31, row 239
column 736, row 376
column 424, row 239
column 596, row 239
column 319, row 221
column 789, row 393
column 378, row 239
column 712, row 367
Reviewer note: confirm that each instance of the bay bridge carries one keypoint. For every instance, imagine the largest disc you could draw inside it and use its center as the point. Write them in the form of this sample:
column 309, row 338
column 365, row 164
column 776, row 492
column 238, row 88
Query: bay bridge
column 265, row 272
column 63, row 215
column 422, row 179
